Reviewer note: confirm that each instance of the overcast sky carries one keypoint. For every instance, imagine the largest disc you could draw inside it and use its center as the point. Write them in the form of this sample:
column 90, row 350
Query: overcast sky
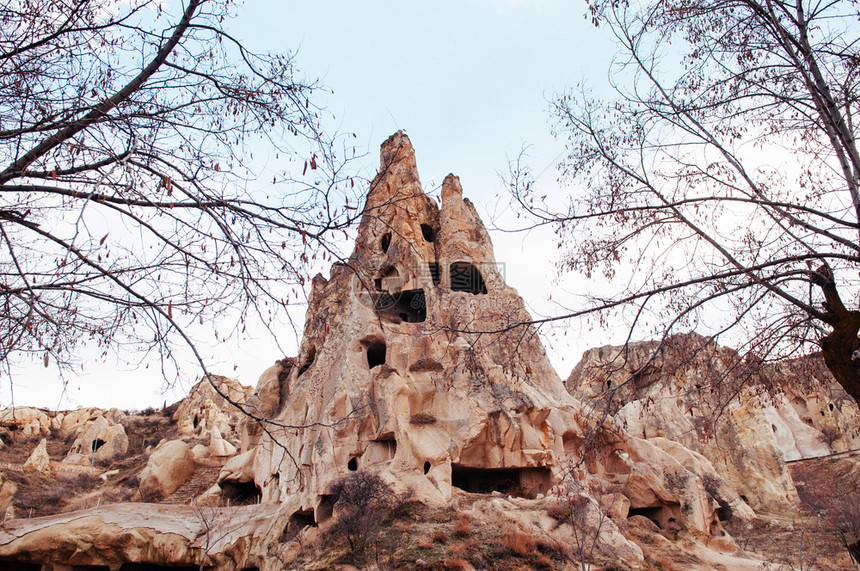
column 468, row 81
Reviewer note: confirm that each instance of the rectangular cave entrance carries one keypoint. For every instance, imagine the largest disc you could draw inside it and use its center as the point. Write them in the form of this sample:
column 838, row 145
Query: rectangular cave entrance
column 519, row 482
column 234, row 493
column 409, row 306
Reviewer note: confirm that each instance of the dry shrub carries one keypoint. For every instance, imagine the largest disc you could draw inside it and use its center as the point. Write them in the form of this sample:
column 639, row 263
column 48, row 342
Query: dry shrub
column 425, row 542
column 464, row 548
column 404, row 526
column 75, row 483
column 116, row 495
column 362, row 501
column 439, row 536
column 831, row 490
column 456, row 564
column 463, row 525
column 558, row 511
column 664, row 563
column 39, row 494
column 519, row 541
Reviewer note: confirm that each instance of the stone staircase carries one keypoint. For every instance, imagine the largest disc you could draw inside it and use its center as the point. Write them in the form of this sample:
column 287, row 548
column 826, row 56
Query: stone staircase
column 204, row 477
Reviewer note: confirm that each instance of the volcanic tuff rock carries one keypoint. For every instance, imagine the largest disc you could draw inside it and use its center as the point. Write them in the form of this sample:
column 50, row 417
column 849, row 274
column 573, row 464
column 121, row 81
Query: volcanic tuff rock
column 204, row 408
column 747, row 418
column 39, row 459
column 170, row 466
column 29, row 420
column 416, row 365
column 98, row 440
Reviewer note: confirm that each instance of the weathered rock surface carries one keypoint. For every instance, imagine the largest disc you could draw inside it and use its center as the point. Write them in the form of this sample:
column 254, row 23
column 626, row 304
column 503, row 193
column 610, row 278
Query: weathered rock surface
column 204, row 408
column 170, row 466
column 74, row 420
column 218, row 446
column 30, row 421
column 39, row 459
column 416, row 364
column 746, row 418
column 99, row 440
column 121, row 533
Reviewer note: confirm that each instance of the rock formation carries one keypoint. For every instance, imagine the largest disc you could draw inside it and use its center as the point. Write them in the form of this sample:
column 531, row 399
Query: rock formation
column 204, row 408
column 99, row 440
column 416, row 365
column 170, row 466
column 39, row 459
column 747, row 418
column 30, row 421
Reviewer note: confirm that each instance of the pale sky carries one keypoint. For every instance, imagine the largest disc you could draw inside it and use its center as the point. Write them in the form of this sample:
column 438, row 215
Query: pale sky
column 468, row 81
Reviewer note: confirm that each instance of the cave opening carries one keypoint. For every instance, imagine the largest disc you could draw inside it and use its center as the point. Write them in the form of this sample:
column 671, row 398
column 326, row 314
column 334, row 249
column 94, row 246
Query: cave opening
column 409, row 306
column 663, row 515
column 466, row 277
column 352, row 465
column 388, row 280
column 298, row 521
column 376, row 353
column 235, row 493
column 652, row 513
column 517, row 482
column 325, row 508
column 427, row 467
column 98, row 443
column 428, row 233
column 724, row 512
column 385, row 242
column 309, row 360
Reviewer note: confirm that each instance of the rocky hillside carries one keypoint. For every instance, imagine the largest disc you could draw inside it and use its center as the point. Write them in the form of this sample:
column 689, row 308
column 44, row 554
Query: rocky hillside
column 421, row 426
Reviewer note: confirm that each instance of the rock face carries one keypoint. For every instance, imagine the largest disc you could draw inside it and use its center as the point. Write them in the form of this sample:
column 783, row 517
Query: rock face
column 415, row 364
column 39, row 459
column 30, row 421
column 99, row 440
column 388, row 377
column 170, row 466
column 746, row 418
column 113, row 535
column 204, row 408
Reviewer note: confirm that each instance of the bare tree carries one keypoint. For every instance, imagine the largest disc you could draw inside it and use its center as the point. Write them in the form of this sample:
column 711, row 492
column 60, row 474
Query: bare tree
column 722, row 177
column 131, row 209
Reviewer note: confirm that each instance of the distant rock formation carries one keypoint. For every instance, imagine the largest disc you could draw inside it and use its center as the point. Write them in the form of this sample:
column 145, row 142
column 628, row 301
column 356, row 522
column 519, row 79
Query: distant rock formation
column 747, row 418
column 204, row 408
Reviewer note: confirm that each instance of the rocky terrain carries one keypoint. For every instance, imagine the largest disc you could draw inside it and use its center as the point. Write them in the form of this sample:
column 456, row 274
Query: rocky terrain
column 421, row 426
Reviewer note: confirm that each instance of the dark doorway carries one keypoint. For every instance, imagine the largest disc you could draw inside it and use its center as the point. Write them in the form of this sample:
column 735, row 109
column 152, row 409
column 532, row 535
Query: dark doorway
column 239, row 493
column 466, row 277
column 519, row 482
column 376, row 351
column 408, row 306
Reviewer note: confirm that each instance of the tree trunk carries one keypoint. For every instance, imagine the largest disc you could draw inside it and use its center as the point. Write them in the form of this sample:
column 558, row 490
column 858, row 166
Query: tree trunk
column 838, row 347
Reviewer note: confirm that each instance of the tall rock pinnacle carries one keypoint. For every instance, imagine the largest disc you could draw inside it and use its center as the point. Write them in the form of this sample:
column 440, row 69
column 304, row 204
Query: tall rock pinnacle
column 415, row 362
